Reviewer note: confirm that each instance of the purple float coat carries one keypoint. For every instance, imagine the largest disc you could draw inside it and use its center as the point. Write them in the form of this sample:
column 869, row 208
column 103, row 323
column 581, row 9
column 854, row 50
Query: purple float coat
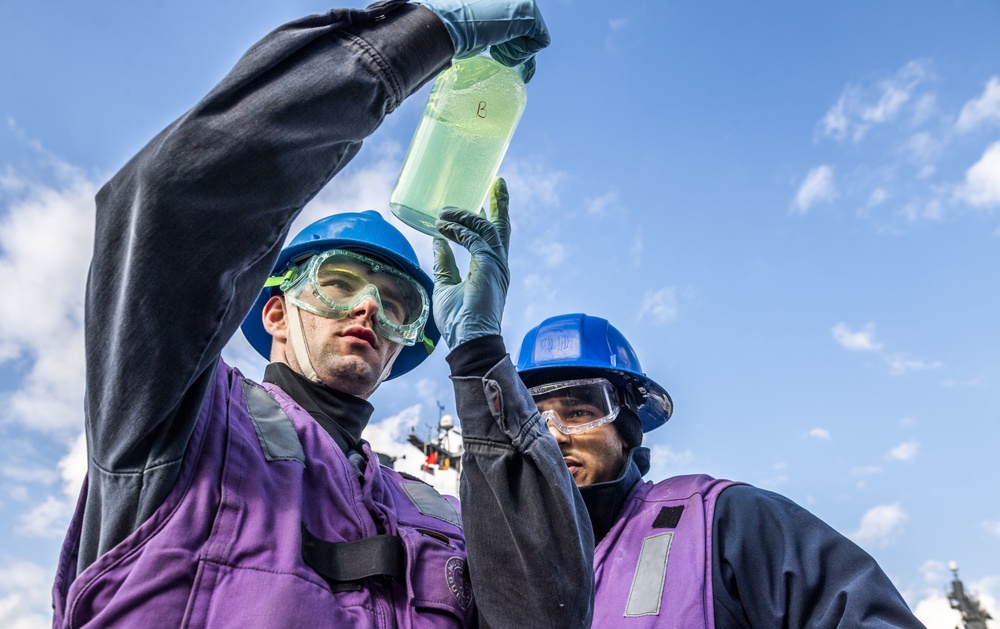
column 654, row 567
column 225, row 547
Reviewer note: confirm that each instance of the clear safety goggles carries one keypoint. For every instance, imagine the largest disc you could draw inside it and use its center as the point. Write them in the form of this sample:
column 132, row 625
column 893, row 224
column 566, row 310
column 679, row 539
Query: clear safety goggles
column 333, row 283
column 575, row 406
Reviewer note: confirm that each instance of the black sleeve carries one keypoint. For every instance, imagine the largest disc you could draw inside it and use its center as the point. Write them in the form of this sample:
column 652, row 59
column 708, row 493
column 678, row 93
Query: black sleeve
column 188, row 230
column 528, row 532
column 774, row 564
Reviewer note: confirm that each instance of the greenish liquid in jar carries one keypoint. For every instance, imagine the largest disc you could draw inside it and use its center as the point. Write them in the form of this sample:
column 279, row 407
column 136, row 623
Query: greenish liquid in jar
column 463, row 135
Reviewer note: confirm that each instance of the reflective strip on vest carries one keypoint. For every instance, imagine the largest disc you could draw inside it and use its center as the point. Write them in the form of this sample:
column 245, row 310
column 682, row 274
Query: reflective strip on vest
column 430, row 503
column 274, row 428
column 647, row 584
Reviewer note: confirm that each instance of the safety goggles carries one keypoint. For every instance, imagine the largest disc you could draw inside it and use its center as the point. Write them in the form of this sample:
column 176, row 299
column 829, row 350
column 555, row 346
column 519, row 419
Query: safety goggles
column 575, row 406
column 333, row 283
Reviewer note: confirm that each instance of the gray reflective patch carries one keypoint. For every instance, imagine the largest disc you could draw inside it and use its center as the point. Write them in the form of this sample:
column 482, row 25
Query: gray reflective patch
column 647, row 584
column 429, row 502
column 275, row 430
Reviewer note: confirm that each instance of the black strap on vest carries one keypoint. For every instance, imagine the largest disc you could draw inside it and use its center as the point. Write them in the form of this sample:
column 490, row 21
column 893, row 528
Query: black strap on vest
column 342, row 562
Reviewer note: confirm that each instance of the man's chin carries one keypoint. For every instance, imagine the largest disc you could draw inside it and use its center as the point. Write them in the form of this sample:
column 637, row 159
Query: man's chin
column 352, row 375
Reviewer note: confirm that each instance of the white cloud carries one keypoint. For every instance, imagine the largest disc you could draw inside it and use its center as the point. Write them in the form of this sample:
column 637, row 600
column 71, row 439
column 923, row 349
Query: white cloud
column 617, row 23
column 835, row 121
column 899, row 366
column 981, row 187
column 51, row 517
column 427, row 390
column 924, row 108
column 887, row 106
column 25, row 595
column 534, row 188
column 860, row 341
column 664, row 461
column 906, row 451
column 864, row 341
column 549, row 253
column 48, row 519
column 934, row 571
column 818, row 187
column 538, row 292
column 60, row 215
column 880, row 524
column 866, row 470
column 636, row 251
column 934, row 611
column 877, row 197
column 819, row 433
column 923, row 149
column 25, row 474
column 660, row 305
column 773, row 483
column 863, row 106
column 603, row 205
column 614, row 26
column 982, row 110
column 978, row 381
column 992, row 527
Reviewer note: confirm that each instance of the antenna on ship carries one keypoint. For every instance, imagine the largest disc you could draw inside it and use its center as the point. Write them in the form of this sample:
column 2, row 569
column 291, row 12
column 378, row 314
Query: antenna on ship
column 974, row 615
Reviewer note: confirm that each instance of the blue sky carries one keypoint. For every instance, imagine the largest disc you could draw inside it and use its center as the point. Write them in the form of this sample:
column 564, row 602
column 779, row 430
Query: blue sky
column 791, row 210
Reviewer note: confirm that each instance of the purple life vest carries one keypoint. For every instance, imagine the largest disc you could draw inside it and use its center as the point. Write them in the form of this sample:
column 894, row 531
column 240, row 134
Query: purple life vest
column 654, row 567
column 225, row 549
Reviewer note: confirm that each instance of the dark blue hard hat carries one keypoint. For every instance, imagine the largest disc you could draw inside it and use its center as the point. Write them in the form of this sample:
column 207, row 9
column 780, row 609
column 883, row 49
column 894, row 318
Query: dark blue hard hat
column 573, row 345
column 364, row 232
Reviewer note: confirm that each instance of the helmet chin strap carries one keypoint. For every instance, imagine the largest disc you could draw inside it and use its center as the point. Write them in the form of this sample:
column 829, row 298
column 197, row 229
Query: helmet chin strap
column 297, row 338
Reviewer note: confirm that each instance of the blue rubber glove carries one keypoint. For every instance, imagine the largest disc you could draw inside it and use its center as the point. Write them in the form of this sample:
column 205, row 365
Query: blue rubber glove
column 513, row 29
column 465, row 310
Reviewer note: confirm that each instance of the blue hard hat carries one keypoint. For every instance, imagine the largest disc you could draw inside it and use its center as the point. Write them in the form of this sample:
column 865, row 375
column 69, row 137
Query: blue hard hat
column 577, row 345
column 364, row 232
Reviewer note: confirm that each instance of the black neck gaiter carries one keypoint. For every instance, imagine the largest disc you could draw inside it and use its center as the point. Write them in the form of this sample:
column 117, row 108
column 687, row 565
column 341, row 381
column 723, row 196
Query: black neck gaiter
column 605, row 500
column 342, row 415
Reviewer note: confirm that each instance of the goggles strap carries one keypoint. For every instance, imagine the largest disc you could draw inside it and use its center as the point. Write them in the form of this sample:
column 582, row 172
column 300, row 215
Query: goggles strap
column 390, row 363
column 278, row 280
column 296, row 335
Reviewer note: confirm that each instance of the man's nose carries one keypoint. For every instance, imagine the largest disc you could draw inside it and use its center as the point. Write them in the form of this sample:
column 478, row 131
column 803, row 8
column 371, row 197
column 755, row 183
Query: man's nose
column 367, row 307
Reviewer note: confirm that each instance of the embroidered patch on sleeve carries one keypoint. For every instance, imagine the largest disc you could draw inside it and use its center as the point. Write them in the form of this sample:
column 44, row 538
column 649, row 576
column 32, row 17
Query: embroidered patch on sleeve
column 458, row 580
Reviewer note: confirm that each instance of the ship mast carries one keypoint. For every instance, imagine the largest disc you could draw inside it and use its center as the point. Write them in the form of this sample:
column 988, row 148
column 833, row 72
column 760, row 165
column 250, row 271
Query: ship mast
column 974, row 615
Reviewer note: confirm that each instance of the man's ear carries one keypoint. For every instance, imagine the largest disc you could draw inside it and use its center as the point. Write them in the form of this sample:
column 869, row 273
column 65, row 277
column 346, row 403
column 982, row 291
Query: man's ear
column 275, row 318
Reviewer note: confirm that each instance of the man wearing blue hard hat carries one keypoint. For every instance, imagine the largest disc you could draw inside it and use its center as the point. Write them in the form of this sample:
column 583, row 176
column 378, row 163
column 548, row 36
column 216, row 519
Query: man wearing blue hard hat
column 213, row 500
column 688, row 551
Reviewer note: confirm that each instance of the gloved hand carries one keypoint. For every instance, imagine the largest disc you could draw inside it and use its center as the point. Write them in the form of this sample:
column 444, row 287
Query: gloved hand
column 465, row 310
column 513, row 29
